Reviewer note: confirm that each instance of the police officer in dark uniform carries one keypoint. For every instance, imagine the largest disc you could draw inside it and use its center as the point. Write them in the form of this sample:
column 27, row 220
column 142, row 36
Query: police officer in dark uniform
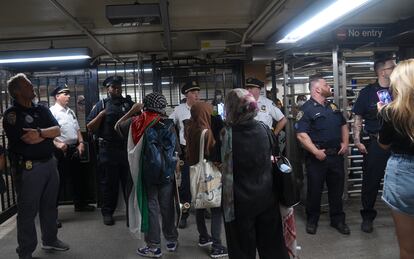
column 323, row 132
column 375, row 158
column 113, row 161
column 31, row 129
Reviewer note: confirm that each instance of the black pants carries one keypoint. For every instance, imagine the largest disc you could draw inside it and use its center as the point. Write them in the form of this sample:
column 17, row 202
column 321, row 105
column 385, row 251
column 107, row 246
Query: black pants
column 71, row 176
column 262, row 231
column 215, row 225
column 185, row 192
column 373, row 171
column 37, row 191
column 114, row 170
column 330, row 170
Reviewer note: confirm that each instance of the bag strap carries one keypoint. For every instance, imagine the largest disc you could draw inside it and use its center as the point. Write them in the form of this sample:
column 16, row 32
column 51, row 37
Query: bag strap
column 202, row 137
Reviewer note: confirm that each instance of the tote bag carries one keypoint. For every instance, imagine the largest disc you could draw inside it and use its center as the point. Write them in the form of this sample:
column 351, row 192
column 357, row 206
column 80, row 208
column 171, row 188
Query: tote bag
column 205, row 181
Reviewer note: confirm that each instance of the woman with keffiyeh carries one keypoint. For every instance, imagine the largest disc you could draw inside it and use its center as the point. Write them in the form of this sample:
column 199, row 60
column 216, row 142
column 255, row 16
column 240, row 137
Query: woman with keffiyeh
column 148, row 201
column 251, row 212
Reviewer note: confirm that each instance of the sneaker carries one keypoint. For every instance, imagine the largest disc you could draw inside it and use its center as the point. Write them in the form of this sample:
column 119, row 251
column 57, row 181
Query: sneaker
column 219, row 252
column 56, row 246
column 202, row 241
column 149, row 252
column 172, row 246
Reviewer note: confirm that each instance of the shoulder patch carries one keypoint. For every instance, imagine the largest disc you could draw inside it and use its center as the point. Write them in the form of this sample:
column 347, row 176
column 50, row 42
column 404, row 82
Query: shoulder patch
column 299, row 115
column 11, row 118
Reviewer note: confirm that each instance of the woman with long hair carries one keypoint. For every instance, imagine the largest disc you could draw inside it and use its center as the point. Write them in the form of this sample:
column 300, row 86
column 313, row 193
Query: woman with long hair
column 251, row 211
column 201, row 119
column 397, row 134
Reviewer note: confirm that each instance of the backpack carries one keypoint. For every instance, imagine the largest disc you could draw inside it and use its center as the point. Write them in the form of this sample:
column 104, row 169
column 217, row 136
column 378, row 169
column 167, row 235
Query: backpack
column 159, row 146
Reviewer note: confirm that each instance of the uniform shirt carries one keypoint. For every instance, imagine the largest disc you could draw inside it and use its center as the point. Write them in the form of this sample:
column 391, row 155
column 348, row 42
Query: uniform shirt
column 69, row 125
column 180, row 114
column 323, row 123
column 366, row 106
column 18, row 117
column 268, row 111
column 115, row 109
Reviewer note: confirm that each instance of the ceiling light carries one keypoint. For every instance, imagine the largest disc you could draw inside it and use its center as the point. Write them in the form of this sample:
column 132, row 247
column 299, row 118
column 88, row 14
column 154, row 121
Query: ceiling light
column 323, row 18
column 45, row 55
column 119, row 71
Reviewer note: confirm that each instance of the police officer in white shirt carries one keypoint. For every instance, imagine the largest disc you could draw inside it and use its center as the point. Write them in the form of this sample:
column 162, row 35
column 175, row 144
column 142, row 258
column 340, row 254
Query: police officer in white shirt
column 69, row 147
column 267, row 109
column 181, row 113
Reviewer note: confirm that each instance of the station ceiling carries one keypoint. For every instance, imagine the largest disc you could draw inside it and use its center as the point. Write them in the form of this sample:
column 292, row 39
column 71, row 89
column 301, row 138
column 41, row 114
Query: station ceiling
column 242, row 24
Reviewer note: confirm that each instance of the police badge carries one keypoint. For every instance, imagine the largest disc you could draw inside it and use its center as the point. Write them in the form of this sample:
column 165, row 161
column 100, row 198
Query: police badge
column 299, row 115
column 333, row 107
column 28, row 165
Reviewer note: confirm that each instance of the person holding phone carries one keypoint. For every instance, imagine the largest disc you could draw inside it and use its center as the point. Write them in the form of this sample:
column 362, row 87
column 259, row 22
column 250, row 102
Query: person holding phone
column 397, row 134
column 375, row 158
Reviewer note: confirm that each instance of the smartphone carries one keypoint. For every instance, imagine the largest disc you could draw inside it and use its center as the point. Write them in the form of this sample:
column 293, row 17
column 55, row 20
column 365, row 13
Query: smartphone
column 384, row 96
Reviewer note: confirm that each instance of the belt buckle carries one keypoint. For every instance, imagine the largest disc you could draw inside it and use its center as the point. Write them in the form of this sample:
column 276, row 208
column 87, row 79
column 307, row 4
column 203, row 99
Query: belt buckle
column 28, row 165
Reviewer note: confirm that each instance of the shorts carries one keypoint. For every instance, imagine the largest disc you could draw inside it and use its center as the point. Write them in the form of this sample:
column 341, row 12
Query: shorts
column 398, row 190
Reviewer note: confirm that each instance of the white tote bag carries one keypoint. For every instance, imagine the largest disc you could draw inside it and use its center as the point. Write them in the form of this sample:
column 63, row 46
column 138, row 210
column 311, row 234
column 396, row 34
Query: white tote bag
column 205, row 180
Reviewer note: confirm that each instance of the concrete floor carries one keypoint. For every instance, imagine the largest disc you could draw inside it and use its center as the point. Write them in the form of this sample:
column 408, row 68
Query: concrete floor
column 89, row 238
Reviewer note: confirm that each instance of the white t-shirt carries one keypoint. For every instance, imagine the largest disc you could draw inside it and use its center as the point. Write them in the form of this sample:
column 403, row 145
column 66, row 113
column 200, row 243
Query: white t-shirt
column 268, row 111
column 181, row 113
column 68, row 123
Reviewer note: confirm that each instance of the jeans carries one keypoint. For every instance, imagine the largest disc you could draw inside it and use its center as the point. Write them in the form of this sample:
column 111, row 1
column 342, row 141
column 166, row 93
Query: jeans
column 161, row 201
column 216, row 222
column 398, row 183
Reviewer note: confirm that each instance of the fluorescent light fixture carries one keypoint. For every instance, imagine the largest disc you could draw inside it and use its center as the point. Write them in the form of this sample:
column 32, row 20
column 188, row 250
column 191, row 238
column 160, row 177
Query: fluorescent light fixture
column 323, row 18
column 119, row 71
column 163, row 83
column 42, row 59
column 45, row 55
column 295, row 78
column 362, row 63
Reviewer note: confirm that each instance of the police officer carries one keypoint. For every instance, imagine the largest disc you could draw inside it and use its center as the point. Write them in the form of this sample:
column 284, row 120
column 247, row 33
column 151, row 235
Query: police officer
column 69, row 147
column 323, row 132
column 375, row 158
column 267, row 109
column 181, row 113
column 113, row 161
column 30, row 130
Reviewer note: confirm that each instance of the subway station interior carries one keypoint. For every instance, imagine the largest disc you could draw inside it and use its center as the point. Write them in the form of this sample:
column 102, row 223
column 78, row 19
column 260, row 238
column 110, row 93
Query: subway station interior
column 157, row 46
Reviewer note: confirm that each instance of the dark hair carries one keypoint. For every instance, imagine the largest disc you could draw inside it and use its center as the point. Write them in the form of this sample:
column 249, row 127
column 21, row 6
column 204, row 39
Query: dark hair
column 381, row 58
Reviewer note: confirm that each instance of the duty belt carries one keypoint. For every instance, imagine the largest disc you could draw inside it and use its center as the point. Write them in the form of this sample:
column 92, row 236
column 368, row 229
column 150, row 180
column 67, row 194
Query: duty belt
column 329, row 151
column 28, row 164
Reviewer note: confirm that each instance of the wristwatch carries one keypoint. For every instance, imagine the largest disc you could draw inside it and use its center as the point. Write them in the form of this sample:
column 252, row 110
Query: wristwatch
column 39, row 131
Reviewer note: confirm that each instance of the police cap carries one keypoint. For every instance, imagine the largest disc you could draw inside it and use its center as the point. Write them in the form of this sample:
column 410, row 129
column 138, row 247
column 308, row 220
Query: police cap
column 59, row 90
column 190, row 86
column 113, row 80
column 254, row 82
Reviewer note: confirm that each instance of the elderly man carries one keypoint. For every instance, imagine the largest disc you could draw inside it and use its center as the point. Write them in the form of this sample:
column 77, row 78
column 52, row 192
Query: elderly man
column 31, row 129
column 113, row 159
column 69, row 147
column 180, row 115
column 375, row 158
column 324, row 134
